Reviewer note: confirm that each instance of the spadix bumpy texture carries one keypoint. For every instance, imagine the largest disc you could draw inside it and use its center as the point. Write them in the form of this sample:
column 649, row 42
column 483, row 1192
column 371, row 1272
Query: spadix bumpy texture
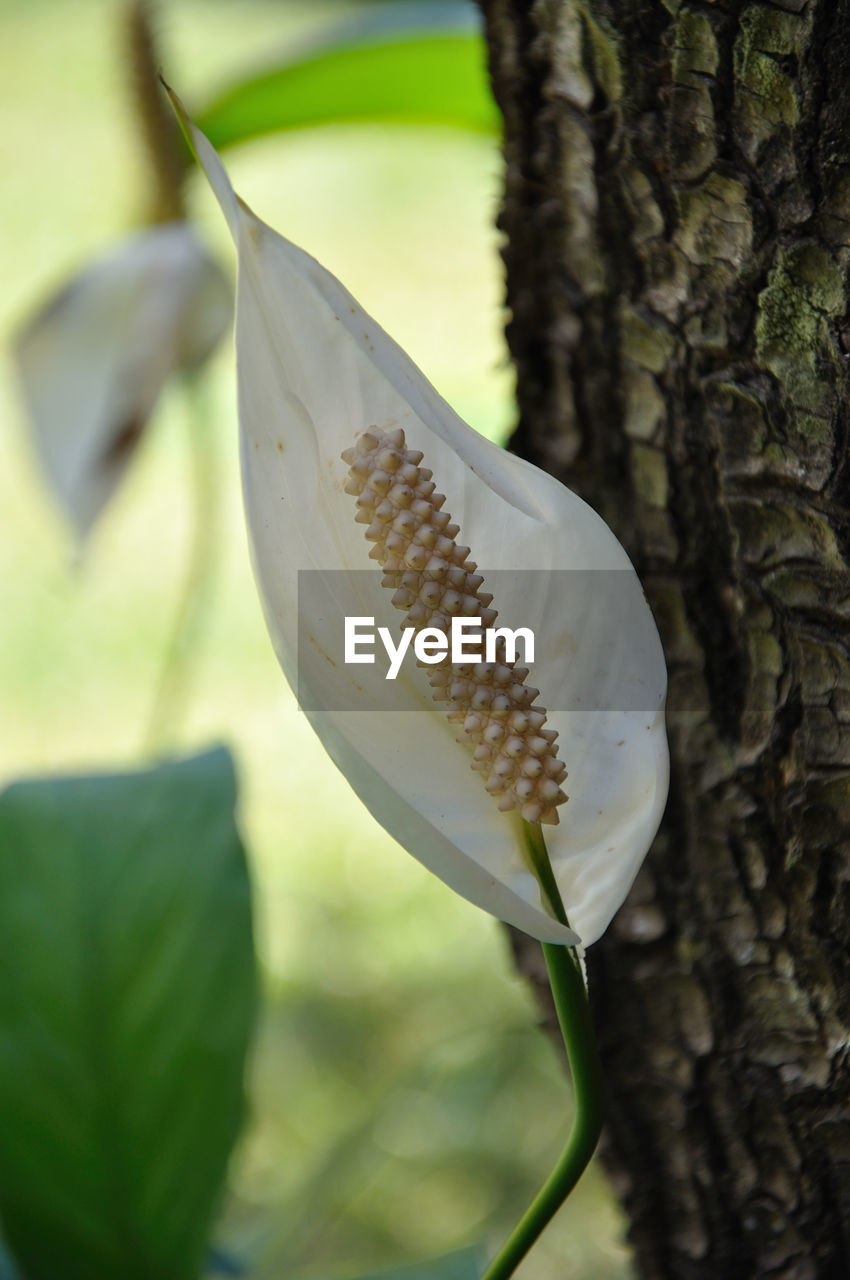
column 316, row 372
column 434, row 580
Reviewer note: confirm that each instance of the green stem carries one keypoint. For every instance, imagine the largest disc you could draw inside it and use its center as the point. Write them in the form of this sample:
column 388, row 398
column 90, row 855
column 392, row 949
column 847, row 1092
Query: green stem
column 573, row 1012
column 531, row 836
column 570, row 997
column 192, row 607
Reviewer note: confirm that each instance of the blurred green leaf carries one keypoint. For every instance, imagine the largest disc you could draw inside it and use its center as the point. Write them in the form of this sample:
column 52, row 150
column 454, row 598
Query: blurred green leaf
column 421, row 64
column 126, row 1006
column 219, row 1262
column 8, row 1270
column 462, row 1264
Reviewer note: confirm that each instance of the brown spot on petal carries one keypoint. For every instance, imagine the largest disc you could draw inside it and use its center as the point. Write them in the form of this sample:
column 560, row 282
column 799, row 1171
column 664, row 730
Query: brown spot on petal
column 122, row 444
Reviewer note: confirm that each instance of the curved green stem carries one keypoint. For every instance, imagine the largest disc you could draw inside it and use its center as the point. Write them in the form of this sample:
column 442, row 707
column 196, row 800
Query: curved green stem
column 191, row 612
column 574, row 1018
column 532, row 839
column 570, row 997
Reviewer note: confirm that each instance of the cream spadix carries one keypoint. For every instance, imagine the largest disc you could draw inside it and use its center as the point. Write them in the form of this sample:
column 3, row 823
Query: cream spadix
column 434, row 581
column 315, row 374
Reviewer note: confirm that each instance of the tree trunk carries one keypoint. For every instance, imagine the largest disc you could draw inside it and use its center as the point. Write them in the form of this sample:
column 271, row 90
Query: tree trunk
column 677, row 222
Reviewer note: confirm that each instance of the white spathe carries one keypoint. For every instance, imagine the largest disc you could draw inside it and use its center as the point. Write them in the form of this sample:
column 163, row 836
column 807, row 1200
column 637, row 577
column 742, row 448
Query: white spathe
column 314, row 372
column 93, row 361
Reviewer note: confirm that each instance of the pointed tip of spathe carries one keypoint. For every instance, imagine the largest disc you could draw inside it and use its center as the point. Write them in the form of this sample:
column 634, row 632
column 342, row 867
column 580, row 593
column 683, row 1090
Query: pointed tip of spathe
column 181, row 113
column 209, row 161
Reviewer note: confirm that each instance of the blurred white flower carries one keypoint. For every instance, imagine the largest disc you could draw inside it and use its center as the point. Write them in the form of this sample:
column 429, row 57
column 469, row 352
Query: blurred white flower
column 315, row 373
column 93, row 361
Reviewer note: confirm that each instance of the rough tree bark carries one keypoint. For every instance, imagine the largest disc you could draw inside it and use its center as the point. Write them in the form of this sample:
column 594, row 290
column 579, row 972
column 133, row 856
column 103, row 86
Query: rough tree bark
column 677, row 223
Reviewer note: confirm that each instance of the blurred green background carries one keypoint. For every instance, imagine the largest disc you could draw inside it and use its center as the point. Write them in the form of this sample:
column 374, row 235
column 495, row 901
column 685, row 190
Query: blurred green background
column 403, row 1103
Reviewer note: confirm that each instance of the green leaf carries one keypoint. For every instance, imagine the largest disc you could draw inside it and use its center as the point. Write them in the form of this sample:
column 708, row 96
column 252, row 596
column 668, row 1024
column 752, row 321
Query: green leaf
column 424, row 64
column 8, row 1271
column 126, row 1006
column 463, row 1264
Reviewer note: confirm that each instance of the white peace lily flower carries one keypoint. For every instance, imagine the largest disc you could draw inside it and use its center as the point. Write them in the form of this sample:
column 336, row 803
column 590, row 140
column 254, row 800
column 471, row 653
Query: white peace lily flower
column 315, row 373
column 94, row 360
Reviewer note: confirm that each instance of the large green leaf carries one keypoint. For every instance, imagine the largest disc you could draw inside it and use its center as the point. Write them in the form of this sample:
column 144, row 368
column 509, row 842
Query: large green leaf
column 422, row 64
column 126, row 1004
